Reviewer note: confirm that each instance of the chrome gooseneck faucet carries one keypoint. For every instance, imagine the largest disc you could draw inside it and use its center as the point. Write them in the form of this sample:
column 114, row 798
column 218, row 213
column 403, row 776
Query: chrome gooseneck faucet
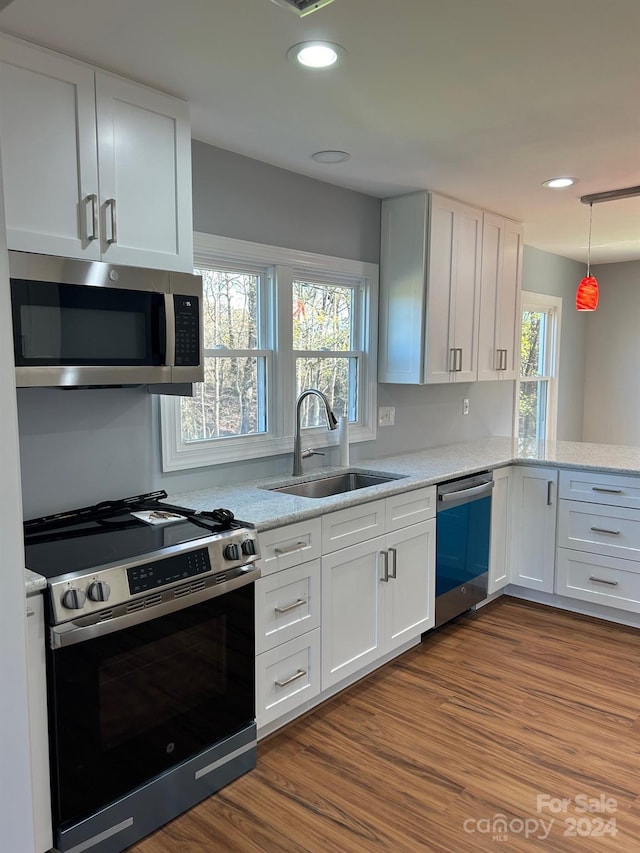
column 332, row 423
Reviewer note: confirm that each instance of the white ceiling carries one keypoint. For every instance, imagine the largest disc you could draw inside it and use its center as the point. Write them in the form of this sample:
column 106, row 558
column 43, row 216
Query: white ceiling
column 478, row 99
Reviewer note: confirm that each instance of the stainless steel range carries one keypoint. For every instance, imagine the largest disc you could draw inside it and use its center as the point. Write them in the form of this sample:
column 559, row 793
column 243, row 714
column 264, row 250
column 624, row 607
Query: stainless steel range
column 150, row 663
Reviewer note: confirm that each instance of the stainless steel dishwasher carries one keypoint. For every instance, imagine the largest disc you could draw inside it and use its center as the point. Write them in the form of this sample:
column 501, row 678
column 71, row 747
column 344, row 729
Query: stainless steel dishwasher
column 463, row 524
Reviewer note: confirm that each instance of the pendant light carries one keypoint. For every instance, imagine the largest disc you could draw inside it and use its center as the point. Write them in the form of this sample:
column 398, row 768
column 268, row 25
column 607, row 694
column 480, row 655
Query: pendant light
column 587, row 293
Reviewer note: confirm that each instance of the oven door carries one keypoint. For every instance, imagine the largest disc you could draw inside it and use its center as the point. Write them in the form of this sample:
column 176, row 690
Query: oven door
column 130, row 704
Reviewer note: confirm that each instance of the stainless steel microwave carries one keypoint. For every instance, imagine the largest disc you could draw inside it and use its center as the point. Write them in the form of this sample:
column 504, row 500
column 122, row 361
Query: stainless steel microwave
column 79, row 323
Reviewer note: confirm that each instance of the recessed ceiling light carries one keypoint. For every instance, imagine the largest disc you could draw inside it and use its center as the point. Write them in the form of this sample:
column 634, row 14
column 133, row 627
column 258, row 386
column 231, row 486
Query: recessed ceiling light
column 330, row 156
column 559, row 183
column 316, row 54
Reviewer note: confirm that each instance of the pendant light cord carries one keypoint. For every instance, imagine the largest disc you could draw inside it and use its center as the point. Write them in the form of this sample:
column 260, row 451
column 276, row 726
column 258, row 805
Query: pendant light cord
column 589, row 243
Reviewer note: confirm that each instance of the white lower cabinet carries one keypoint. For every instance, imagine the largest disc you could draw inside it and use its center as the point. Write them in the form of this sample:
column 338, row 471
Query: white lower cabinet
column 376, row 595
column 598, row 557
column 499, row 549
column 322, row 621
column 287, row 677
column 533, row 531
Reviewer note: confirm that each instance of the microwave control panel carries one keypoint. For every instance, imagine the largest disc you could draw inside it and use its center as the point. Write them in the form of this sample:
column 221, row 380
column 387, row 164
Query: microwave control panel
column 187, row 325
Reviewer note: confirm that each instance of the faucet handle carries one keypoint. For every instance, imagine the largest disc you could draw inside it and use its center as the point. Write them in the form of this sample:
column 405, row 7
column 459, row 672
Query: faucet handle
column 311, row 452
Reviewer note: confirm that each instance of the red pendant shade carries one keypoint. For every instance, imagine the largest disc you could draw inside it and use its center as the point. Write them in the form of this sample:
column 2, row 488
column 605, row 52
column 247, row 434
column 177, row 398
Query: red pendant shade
column 587, row 294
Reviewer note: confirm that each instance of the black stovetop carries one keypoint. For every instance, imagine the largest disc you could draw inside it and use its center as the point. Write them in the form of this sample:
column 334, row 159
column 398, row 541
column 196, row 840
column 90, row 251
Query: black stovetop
column 82, row 539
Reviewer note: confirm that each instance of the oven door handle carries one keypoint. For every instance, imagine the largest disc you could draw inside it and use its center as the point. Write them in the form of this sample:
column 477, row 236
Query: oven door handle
column 70, row 633
column 463, row 494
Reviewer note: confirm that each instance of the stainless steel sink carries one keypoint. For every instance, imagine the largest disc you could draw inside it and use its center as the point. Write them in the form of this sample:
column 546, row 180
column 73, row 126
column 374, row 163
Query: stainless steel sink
column 337, row 484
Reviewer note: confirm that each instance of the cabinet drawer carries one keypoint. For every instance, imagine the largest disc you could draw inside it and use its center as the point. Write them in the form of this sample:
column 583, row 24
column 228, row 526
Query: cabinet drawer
column 352, row 525
column 609, row 489
column 613, row 531
column 287, row 605
column 287, row 677
column 410, row 508
column 289, row 546
column 601, row 580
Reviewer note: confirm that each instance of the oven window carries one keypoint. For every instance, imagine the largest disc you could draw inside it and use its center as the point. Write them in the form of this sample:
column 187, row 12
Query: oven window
column 193, row 663
column 128, row 706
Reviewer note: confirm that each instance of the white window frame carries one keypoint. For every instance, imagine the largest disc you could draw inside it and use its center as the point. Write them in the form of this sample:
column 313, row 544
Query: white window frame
column 285, row 266
column 552, row 306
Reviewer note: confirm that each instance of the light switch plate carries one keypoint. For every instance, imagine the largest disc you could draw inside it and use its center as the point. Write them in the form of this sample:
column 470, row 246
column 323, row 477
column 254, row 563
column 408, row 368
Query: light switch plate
column 386, row 415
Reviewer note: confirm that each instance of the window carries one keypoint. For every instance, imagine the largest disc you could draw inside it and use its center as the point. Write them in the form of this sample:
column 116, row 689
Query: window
column 539, row 351
column 275, row 322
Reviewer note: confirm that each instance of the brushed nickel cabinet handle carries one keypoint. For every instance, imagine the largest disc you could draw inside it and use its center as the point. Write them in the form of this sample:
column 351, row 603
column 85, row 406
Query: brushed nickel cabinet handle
column 289, row 549
column 394, row 563
column 30, row 611
column 385, row 558
column 549, row 486
column 606, row 491
column 452, row 359
column 602, row 580
column 299, row 674
column 604, row 530
column 93, row 200
column 111, row 204
column 459, row 363
column 289, row 607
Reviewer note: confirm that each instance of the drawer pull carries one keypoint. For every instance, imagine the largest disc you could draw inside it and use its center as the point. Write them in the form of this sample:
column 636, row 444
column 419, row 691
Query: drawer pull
column 293, row 606
column 604, row 530
column 290, row 549
column 602, row 580
column 295, row 677
column 606, row 491
column 31, row 611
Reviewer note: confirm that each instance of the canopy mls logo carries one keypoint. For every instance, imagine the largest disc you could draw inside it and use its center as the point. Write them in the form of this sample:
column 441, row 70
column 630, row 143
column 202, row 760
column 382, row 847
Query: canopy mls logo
column 582, row 816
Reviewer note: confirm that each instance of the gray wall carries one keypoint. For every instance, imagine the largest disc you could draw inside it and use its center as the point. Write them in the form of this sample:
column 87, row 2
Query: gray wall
column 234, row 196
column 612, row 401
column 543, row 272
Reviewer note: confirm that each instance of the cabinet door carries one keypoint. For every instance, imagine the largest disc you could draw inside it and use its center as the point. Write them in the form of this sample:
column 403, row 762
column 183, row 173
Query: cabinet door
column 489, row 359
column 409, row 594
column 465, row 296
column 453, row 291
column 351, row 612
column 508, row 313
column 144, row 152
column 499, row 551
column 535, row 492
column 48, row 142
column 499, row 324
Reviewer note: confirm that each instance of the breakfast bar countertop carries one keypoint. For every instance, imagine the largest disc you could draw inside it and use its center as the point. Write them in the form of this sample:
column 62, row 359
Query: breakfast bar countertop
column 253, row 502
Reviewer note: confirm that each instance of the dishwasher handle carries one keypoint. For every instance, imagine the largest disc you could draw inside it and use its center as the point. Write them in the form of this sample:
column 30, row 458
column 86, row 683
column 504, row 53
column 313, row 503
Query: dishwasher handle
column 462, row 495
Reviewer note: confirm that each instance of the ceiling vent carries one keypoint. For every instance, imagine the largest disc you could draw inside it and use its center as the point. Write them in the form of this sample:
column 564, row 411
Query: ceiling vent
column 302, row 7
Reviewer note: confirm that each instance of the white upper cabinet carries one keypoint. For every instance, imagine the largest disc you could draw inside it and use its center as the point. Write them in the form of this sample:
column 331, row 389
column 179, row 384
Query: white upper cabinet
column 430, row 290
column 95, row 166
column 499, row 326
column 49, row 153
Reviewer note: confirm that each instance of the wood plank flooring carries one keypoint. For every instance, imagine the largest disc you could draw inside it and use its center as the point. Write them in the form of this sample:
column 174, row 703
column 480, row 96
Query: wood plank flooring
column 514, row 703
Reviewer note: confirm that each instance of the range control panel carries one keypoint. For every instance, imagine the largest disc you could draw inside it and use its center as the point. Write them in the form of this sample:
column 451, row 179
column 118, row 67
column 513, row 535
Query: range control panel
column 168, row 570
column 109, row 586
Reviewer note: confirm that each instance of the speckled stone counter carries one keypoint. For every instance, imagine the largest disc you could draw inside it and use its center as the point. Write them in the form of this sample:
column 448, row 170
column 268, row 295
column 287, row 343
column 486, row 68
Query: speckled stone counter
column 33, row 583
column 251, row 501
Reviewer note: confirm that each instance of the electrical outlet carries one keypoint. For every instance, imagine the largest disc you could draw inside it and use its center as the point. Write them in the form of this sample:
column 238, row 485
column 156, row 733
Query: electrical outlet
column 386, row 415
column 465, row 406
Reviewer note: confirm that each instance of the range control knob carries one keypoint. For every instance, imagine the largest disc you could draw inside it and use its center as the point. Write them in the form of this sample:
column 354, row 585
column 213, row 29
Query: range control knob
column 99, row 591
column 249, row 547
column 232, row 552
column 73, row 599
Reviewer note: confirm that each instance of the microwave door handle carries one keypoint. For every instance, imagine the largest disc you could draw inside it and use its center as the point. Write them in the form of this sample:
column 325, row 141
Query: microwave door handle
column 170, row 329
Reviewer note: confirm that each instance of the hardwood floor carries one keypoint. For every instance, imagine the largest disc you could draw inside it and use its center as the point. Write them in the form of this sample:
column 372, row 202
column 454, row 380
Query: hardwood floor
column 504, row 713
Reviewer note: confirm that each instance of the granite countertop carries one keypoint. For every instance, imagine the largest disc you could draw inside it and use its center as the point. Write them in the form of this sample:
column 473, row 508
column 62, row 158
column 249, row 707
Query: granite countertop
column 33, row 583
column 251, row 501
